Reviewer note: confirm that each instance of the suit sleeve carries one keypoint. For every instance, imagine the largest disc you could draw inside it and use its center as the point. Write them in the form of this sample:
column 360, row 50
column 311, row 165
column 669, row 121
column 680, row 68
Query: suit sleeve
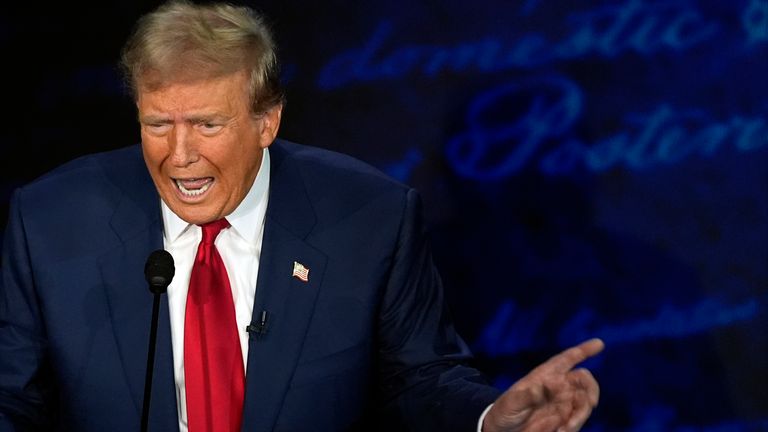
column 425, row 382
column 24, row 384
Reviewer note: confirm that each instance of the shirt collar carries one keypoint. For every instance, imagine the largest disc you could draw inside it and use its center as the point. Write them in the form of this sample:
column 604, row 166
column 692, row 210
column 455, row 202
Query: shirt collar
column 248, row 218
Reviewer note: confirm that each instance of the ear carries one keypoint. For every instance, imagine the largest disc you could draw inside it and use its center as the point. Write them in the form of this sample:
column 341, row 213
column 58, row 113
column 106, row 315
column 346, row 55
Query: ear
column 270, row 124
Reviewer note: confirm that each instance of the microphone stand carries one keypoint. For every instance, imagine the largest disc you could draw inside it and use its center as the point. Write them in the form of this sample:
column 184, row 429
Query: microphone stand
column 150, row 362
column 158, row 271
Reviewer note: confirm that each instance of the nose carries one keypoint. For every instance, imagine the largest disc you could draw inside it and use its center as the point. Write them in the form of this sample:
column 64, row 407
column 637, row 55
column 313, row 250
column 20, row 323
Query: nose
column 183, row 148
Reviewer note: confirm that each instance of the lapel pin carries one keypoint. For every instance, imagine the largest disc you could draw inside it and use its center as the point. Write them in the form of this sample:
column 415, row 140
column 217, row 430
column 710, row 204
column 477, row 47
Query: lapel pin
column 300, row 272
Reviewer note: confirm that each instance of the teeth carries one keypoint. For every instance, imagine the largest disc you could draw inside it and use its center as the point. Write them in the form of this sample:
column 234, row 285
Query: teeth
column 195, row 192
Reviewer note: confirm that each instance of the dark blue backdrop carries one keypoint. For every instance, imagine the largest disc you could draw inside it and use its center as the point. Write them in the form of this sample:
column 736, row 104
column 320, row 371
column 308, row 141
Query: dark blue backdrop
column 589, row 168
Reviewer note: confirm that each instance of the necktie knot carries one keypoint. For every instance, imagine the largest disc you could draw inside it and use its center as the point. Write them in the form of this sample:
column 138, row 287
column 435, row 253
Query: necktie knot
column 212, row 229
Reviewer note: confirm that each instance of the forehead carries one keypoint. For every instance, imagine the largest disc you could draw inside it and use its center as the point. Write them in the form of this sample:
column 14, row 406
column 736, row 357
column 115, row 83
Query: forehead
column 229, row 90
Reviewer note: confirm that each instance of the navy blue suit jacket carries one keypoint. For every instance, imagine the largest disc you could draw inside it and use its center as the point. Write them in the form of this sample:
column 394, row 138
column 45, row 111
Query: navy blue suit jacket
column 366, row 344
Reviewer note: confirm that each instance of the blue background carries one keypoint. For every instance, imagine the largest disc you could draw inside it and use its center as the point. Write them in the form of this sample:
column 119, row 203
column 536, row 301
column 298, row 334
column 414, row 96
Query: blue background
column 589, row 168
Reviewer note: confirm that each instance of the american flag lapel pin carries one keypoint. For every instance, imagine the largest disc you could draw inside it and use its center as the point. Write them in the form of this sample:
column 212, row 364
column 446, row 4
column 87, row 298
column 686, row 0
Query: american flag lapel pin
column 300, row 272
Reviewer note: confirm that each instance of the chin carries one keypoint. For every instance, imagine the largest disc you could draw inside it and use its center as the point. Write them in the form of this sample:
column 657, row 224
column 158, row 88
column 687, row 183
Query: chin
column 193, row 216
column 199, row 219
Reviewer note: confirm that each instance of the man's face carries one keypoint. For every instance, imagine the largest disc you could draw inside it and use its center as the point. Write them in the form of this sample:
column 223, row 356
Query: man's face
column 202, row 144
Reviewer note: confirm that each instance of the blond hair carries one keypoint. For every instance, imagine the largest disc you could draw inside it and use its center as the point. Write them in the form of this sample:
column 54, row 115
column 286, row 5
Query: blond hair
column 181, row 41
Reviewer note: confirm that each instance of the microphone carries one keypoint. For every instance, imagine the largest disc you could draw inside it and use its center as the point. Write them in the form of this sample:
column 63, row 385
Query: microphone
column 259, row 329
column 158, row 271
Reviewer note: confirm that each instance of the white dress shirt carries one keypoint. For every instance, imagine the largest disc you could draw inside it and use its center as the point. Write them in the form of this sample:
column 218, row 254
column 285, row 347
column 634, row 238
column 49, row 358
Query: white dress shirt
column 240, row 249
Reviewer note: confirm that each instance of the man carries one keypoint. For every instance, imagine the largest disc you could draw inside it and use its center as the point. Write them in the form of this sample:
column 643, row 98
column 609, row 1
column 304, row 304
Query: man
column 304, row 298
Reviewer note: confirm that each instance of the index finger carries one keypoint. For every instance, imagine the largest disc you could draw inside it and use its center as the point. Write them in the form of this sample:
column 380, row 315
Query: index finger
column 569, row 358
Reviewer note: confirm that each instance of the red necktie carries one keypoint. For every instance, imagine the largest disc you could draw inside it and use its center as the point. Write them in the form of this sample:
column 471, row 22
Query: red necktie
column 213, row 363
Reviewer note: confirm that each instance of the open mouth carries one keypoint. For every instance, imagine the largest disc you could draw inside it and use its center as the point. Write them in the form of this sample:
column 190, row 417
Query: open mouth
column 193, row 187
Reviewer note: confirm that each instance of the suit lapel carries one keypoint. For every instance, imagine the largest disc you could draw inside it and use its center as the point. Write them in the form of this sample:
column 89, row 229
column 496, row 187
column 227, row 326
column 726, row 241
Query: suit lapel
column 137, row 223
column 289, row 302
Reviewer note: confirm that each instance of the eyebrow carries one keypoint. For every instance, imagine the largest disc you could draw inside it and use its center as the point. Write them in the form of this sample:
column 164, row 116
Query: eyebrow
column 203, row 118
column 194, row 118
column 153, row 119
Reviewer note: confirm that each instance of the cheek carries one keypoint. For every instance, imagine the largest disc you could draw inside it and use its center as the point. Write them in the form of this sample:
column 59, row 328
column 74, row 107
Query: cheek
column 231, row 169
column 154, row 152
column 227, row 156
column 248, row 162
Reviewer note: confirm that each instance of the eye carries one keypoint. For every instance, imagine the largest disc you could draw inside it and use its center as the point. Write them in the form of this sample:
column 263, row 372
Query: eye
column 209, row 128
column 157, row 128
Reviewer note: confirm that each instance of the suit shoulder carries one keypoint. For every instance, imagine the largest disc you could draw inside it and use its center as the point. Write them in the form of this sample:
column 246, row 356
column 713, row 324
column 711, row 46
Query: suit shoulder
column 86, row 182
column 336, row 170
column 339, row 187
column 88, row 170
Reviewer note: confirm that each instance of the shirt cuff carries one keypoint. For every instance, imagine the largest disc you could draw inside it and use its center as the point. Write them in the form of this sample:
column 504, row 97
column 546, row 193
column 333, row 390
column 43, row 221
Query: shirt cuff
column 482, row 417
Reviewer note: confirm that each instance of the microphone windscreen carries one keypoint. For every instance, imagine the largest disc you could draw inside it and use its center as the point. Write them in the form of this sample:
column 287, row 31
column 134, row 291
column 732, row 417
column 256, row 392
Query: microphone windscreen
column 159, row 271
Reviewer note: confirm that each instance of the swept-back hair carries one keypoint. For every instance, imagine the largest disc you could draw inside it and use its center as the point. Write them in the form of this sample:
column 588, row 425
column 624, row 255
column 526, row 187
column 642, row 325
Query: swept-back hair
column 183, row 42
